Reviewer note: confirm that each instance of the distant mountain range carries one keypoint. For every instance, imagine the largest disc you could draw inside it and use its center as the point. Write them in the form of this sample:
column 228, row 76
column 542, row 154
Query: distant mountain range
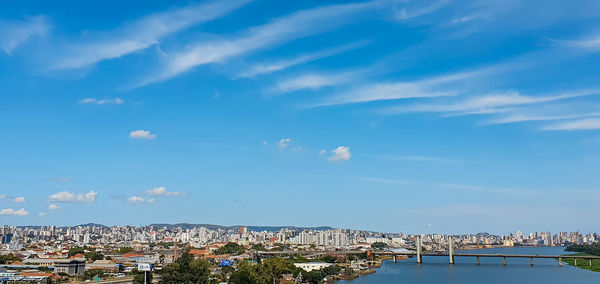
column 208, row 226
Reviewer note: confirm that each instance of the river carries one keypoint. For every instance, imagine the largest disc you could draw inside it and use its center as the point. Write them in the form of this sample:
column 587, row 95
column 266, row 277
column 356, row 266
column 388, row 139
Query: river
column 435, row 269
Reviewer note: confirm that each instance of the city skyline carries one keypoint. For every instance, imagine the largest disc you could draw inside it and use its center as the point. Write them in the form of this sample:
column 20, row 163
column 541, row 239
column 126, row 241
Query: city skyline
column 383, row 115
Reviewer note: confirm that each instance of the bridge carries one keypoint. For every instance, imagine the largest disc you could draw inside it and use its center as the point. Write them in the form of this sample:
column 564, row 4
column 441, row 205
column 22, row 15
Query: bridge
column 450, row 254
column 419, row 254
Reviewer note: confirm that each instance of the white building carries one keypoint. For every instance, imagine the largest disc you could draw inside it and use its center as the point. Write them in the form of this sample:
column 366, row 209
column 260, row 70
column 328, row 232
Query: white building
column 310, row 266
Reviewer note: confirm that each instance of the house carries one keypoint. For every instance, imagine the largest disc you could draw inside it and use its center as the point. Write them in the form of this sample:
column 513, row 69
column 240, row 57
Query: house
column 105, row 265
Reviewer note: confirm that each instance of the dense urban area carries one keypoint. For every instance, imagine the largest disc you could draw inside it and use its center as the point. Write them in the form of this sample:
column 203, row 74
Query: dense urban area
column 213, row 254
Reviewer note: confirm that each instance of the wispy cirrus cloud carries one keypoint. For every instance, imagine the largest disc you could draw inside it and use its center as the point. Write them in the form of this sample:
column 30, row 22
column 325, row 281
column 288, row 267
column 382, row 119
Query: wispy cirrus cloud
column 271, row 67
column 116, row 101
column 312, row 81
column 414, row 9
column 590, row 43
column 383, row 91
column 581, row 124
column 434, row 86
column 139, row 34
column 278, row 31
column 521, row 117
column 485, row 103
column 15, row 33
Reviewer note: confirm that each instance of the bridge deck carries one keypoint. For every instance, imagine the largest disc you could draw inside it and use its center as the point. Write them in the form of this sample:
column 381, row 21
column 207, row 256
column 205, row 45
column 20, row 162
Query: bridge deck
column 425, row 254
column 489, row 255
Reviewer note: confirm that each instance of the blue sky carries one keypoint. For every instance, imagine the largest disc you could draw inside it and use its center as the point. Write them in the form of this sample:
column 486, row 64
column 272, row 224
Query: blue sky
column 414, row 116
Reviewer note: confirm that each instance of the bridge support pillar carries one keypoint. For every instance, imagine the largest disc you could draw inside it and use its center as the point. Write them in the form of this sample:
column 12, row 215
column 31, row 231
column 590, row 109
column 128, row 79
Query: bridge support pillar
column 575, row 259
column 477, row 260
column 394, row 258
column 559, row 261
column 419, row 259
column 451, row 249
column 532, row 261
column 504, row 260
column 590, row 261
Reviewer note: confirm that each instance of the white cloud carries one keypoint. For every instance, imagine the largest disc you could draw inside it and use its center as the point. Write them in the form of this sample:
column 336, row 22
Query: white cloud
column 151, row 200
column 590, row 43
column 13, row 212
column 312, row 82
column 15, row 33
column 2, row 196
column 266, row 68
column 296, row 25
column 488, row 102
column 19, row 199
column 384, row 91
column 142, row 134
column 284, row 143
column 340, row 153
column 522, row 117
column 407, row 13
column 115, row 101
column 135, row 199
column 582, row 124
column 65, row 196
column 426, row 88
column 41, row 214
column 322, row 152
column 162, row 191
column 53, row 207
column 140, row 34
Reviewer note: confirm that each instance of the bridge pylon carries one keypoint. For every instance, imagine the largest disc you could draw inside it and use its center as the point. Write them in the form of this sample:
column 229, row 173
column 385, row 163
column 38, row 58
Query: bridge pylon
column 451, row 249
column 419, row 259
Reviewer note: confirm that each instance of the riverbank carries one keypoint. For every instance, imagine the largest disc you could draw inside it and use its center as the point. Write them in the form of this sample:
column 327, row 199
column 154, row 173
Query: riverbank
column 584, row 263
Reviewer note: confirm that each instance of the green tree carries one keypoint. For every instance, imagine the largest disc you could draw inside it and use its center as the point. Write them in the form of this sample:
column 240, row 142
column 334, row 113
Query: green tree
column 90, row 274
column 94, row 255
column 7, row 258
column 329, row 259
column 230, row 247
column 593, row 249
column 76, row 250
column 124, row 250
column 248, row 273
column 186, row 270
column 379, row 245
column 259, row 247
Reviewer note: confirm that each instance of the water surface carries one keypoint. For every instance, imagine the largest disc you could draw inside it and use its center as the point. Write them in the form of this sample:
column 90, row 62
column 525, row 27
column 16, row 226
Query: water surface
column 435, row 269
